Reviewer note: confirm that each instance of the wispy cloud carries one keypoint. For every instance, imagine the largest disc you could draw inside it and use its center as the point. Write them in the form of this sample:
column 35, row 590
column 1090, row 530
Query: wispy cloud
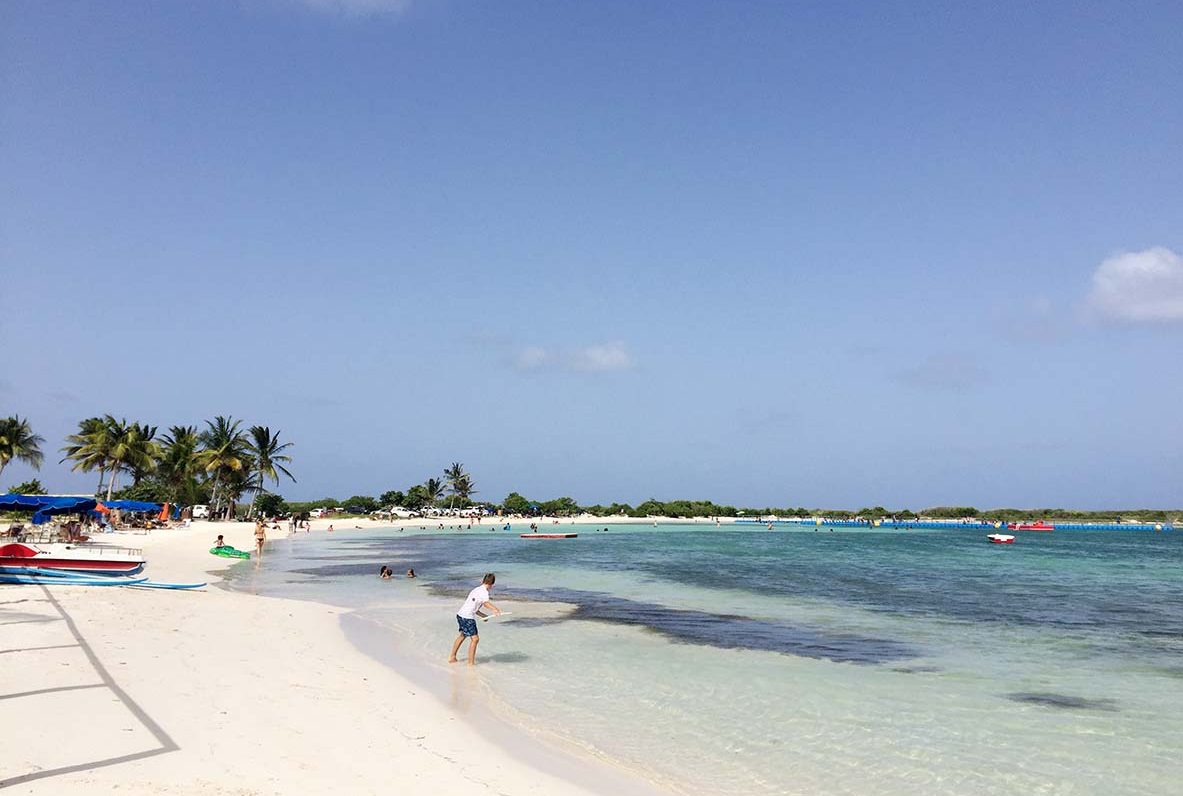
column 358, row 8
column 1139, row 287
column 1036, row 321
column 598, row 358
column 945, row 372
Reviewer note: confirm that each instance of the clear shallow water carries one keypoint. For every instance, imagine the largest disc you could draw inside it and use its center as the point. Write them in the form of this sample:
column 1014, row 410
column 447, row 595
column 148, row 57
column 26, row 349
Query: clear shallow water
column 803, row 661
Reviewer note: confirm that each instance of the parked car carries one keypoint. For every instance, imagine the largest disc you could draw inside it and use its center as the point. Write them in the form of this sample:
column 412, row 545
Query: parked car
column 316, row 514
column 201, row 512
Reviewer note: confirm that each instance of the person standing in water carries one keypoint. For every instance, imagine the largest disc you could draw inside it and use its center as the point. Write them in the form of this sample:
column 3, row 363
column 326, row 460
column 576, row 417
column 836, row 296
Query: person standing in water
column 477, row 600
column 260, row 536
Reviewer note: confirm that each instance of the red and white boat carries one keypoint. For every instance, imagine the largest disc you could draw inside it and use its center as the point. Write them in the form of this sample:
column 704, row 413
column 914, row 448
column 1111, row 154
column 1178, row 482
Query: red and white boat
column 96, row 560
column 1000, row 538
column 1030, row 526
column 548, row 535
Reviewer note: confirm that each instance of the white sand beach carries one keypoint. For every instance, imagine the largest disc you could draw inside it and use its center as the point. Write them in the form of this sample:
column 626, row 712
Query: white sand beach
column 115, row 690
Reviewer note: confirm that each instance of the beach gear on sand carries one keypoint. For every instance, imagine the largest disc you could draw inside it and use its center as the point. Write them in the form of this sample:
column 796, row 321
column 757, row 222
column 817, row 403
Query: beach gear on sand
column 229, row 552
column 50, row 577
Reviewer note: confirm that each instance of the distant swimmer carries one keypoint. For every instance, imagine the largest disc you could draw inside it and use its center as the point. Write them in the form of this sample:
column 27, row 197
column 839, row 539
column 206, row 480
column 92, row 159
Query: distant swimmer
column 410, row 573
column 385, row 573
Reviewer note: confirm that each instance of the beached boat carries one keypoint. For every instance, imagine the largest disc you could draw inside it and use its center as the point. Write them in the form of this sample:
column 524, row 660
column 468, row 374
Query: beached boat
column 1000, row 538
column 548, row 535
column 1030, row 526
column 100, row 560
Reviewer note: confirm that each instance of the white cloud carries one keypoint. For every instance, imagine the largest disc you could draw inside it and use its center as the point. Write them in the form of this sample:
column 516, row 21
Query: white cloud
column 608, row 356
column 359, row 7
column 1139, row 286
column 533, row 358
column 598, row 358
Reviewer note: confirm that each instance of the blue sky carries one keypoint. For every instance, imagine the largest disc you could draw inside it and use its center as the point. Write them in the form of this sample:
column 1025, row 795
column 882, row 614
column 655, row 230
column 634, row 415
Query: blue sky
column 822, row 254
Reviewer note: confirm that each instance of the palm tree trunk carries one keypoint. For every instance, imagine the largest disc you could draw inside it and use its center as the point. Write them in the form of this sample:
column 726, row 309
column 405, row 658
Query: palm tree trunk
column 213, row 496
column 111, row 483
column 255, row 499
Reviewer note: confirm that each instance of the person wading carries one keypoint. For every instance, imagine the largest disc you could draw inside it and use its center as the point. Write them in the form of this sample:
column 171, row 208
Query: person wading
column 476, row 602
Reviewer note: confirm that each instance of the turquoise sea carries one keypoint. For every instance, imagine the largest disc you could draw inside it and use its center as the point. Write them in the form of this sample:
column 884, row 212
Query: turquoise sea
column 800, row 660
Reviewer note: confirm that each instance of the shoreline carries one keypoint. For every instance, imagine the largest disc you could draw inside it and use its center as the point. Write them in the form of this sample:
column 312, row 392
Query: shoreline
column 220, row 691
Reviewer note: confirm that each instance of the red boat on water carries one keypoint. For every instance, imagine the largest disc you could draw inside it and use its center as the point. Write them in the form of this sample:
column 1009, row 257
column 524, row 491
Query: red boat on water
column 94, row 560
column 548, row 535
column 1030, row 526
column 1000, row 538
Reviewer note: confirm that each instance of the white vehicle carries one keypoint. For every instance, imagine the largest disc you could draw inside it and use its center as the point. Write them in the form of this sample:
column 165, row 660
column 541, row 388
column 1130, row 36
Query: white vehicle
column 316, row 514
column 403, row 514
column 201, row 512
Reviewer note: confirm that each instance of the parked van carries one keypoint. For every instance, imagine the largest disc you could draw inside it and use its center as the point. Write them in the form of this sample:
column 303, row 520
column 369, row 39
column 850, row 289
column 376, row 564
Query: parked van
column 201, row 512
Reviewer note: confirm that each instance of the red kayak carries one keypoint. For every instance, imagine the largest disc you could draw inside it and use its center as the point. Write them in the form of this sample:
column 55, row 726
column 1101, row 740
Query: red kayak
column 548, row 535
column 96, row 560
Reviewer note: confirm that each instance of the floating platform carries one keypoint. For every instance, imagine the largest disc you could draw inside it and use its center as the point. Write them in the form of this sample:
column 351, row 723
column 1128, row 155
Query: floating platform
column 548, row 535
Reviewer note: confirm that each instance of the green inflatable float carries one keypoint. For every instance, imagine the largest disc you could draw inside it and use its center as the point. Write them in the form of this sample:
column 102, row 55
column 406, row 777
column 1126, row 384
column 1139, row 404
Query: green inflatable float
column 229, row 552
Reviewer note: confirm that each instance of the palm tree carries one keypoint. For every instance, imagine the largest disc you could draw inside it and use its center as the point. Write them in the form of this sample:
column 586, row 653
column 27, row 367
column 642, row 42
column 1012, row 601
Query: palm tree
column 453, row 475
column 179, row 466
column 112, row 446
column 223, row 455
column 88, row 448
column 121, row 445
column 131, row 447
column 269, row 458
column 433, row 490
column 464, row 488
column 144, row 451
column 17, row 441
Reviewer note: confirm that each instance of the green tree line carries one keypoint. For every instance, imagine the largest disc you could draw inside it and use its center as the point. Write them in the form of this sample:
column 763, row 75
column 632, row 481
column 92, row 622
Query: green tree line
column 217, row 465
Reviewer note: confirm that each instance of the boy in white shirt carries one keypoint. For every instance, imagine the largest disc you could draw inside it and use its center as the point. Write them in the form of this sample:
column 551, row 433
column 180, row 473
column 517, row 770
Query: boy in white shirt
column 477, row 601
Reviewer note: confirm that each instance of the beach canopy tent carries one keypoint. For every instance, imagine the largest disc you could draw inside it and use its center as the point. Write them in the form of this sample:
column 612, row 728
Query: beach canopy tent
column 133, row 505
column 45, row 506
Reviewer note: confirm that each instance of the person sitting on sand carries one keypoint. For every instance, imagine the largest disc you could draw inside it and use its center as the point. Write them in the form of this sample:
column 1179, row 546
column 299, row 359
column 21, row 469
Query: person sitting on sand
column 220, row 542
column 477, row 601
column 410, row 573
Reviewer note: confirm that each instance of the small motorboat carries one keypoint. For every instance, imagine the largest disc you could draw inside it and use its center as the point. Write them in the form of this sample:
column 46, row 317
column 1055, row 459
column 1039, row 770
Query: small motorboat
column 548, row 535
column 1000, row 538
column 96, row 560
